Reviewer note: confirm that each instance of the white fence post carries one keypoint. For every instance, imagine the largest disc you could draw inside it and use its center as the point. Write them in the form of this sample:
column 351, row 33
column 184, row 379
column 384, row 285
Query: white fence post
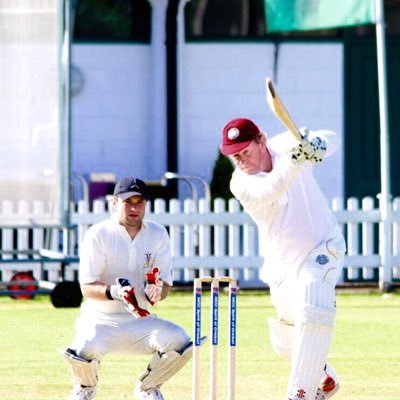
column 38, row 234
column 22, row 233
column 367, row 237
column 7, row 240
column 83, row 209
column 190, row 238
column 213, row 243
column 219, row 236
column 99, row 206
column 250, row 247
column 175, row 234
column 23, row 244
column 234, row 238
column 204, row 236
column 159, row 206
column 338, row 207
column 353, row 242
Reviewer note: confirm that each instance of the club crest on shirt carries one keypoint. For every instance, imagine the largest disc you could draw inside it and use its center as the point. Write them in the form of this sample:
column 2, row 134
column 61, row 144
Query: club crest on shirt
column 148, row 260
column 322, row 259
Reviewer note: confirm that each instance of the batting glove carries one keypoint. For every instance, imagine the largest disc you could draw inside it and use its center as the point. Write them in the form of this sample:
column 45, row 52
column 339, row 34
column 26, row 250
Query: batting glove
column 125, row 292
column 312, row 149
column 319, row 146
column 153, row 286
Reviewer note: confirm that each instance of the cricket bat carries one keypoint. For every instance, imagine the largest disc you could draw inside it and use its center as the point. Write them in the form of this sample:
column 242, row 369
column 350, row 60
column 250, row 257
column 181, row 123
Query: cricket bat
column 277, row 107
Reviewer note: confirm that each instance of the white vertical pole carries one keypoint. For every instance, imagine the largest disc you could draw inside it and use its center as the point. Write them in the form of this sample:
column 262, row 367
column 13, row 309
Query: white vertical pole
column 158, row 78
column 180, row 81
column 232, row 340
column 214, row 338
column 385, row 196
column 65, row 116
column 197, row 339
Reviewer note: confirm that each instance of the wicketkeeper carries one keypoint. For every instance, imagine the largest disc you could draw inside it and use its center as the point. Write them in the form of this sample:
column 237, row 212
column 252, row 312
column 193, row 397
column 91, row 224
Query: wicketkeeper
column 302, row 245
column 125, row 269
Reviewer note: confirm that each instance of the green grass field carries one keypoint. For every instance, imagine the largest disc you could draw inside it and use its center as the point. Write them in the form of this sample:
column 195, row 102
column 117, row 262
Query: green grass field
column 365, row 350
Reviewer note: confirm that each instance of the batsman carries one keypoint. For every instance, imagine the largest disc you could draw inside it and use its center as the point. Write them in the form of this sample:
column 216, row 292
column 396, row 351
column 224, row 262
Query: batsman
column 125, row 269
column 302, row 245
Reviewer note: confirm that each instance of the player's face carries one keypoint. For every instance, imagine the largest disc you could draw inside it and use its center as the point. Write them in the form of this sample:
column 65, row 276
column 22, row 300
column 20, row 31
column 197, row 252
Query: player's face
column 131, row 211
column 253, row 158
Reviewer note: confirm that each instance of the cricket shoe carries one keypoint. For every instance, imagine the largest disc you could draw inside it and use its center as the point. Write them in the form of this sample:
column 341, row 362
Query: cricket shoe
column 324, row 394
column 329, row 384
column 82, row 393
column 150, row 394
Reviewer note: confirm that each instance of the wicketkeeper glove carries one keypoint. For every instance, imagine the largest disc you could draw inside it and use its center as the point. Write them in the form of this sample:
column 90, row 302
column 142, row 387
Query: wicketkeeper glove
column 310, row 148
column 153, row 286
column 125, row 292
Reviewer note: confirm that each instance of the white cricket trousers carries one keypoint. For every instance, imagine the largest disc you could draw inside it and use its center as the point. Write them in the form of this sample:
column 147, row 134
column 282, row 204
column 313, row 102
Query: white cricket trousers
column 306, row 301
column 323, row 265
column 97, row 336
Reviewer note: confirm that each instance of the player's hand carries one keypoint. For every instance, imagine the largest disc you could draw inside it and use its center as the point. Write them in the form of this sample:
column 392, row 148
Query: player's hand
column 125, row 292
column 153, row 286
column 319, row 147
column 310, row 148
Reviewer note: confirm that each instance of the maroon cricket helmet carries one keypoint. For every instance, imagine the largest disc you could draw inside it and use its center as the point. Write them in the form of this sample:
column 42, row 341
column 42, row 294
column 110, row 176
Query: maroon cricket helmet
column 237, row 135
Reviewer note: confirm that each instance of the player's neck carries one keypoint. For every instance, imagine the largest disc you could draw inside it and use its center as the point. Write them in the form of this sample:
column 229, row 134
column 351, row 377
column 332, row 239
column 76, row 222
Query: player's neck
column 132, row 230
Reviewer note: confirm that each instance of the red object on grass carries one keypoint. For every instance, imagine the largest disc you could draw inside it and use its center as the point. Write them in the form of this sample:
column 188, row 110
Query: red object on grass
column 23, row 277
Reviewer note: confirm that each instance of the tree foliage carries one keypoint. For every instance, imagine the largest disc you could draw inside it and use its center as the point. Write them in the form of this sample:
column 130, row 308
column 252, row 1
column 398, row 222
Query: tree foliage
column 222, row 173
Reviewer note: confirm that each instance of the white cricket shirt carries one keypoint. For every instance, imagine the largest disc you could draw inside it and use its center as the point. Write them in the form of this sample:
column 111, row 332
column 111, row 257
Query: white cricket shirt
column 108, row 253
column 287, row 205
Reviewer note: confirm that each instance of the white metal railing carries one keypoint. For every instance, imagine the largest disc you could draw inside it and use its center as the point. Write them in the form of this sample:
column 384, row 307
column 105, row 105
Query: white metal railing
column 203, row 242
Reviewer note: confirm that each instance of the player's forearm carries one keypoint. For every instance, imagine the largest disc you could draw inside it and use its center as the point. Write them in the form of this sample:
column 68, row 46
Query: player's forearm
column 98, row 291
column 95, row 290
column 165, row 290
column 266, row 188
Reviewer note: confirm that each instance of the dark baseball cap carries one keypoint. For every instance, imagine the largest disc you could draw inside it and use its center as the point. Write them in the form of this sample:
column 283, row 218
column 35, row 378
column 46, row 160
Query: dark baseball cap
column 131, row 186
column 237, row 135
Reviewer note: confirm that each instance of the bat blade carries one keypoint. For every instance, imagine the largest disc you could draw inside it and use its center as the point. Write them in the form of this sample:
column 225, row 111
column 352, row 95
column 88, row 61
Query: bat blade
column 277, row 107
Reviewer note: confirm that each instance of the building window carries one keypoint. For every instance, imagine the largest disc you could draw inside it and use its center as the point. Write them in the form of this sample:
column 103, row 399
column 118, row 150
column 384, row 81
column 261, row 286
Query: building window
column 214, row 19
column 112, row 21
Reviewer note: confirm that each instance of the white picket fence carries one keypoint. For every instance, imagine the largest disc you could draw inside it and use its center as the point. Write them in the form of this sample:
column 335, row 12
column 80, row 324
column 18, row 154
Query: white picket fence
column 203, row 242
